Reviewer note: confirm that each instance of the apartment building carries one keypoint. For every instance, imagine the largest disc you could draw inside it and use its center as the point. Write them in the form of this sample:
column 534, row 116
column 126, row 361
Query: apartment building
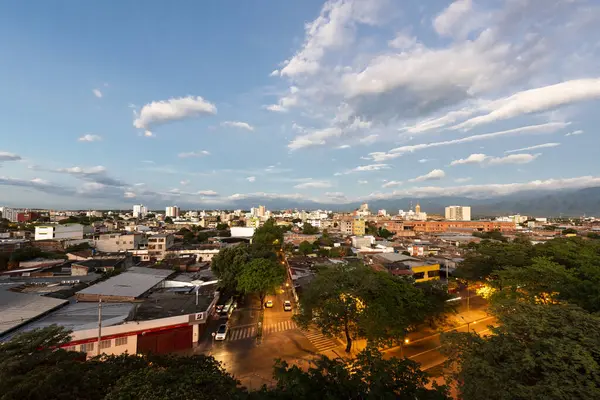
column 116, row 242
column 59, row 232
column 458, row 213
column 346, row 227
column 358, row 227
column 159, row 244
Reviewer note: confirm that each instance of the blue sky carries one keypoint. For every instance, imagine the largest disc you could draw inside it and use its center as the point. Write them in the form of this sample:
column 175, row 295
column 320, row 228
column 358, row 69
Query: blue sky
column 210, row 103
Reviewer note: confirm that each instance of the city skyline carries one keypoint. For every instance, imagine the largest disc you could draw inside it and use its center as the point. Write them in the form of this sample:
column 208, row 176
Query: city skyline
column 337, row 102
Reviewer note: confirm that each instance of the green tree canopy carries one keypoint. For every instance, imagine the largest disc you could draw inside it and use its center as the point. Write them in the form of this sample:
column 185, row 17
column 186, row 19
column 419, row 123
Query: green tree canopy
column 261, row 277
column 308, row 229
column 305, row 247
column 369, row 376
column 228, row 264
column 168, row 220
column 269, row 235
column 537, row 352
column 384, row 233
column 355, row 301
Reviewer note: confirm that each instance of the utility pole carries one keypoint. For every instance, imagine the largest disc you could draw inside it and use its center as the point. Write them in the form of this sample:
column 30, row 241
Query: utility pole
column 99, row 324
column 468, row 298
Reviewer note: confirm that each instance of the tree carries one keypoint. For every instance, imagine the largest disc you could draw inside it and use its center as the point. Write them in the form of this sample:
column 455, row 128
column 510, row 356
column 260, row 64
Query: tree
column 569, row 231
column 296, row 220
column 537, row 352
column 222, row 227
column 150, row 216
column 261, row 276
column 305, row 247
column 593, row 235
column 168, row 220
column 436, row 308
column 384, row 233
column 355, row 301
column 268, row 235
column 487, row 257
column 368, row 376
column 228, row 264
column 308, row 229
column 173, row 377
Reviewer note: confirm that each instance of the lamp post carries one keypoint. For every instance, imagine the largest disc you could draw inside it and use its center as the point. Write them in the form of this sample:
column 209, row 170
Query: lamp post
column 405, row 341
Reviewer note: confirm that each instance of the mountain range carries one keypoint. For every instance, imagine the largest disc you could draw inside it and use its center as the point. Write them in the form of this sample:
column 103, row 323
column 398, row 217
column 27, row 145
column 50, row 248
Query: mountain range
column 568, row 202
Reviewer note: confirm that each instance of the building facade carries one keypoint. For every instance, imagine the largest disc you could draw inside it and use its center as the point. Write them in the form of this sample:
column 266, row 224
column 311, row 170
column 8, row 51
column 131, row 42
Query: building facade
column 358, row 227
column 59, row 232
column 172, row 211
column 139, row 211
column 159, row 244
column 114, row 243
column 458, row 213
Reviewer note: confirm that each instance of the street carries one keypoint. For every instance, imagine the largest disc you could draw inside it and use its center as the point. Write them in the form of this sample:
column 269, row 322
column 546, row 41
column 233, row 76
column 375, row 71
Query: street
column 252, row 361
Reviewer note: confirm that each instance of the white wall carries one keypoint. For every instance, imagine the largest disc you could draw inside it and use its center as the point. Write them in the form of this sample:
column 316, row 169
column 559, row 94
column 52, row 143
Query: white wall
column 238, row 231
column 57, row 232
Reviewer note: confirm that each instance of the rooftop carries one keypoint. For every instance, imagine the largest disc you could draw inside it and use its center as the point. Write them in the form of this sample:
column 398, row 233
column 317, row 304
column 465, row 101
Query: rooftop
column 18, row 308
column 170, row 302
column 132, row 283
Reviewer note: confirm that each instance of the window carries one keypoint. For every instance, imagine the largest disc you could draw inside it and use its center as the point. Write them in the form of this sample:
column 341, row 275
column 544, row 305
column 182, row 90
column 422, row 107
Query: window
column 87, row 347
column 432, row 274
column 105, row 344
column 131, row 242
column 159, row 246
column 122, row 341
column 69, row 348
column 419, row 275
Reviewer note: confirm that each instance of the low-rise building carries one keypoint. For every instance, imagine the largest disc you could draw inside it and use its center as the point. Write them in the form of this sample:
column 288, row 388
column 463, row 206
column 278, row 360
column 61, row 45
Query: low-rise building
column 59, row 232
column 116, row 242
column 159, row 244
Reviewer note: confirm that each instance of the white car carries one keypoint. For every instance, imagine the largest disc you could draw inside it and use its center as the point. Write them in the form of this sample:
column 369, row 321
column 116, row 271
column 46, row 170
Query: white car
column 269, row 304
column 222, row 332
column 287, row 305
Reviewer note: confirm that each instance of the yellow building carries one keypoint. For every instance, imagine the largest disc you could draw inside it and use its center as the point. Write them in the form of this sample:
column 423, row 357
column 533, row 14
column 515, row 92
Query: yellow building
column 358, row 227
column 253, row 222
column 423, row 273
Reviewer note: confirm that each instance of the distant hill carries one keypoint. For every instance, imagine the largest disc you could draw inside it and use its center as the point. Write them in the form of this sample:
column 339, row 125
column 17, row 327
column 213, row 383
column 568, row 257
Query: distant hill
column 536, row 203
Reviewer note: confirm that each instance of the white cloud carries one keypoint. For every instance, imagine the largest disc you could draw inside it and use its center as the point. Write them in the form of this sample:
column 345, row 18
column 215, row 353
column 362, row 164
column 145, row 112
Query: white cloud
column 6, row 156
column 251, row 178
column 194, row 154
column 492, row 189
column 537, row 100
column 402, row 41
column 472, row 159
column 97, row 93
column 313, row 185
column 274, row 73
column 537, row 146
column 462, row 180
column 434, row 175
column 457, row 20
column 208, row 193
column 129, row 195
column 369, row 139
column 99, row 169
column 317, row 137
column 390, row 184
column 344, row 146
column 159, row 112
column 368, row 168
column 333, row 29
column 362, row 182
column 148, row 133
column 237, row 124
column 276, row 108
column 90, row 138
column 549, row 127
column 577, row 132
column 423, row 160
column 513, row 159
column 184, row 182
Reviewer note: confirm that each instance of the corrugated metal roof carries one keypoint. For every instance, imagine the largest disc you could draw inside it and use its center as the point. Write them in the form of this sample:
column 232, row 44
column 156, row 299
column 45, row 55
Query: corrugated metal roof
column 18, row 308
column 132, row 283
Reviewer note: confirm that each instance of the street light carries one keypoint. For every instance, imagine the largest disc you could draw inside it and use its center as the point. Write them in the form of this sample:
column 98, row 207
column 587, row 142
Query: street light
column 468, row 323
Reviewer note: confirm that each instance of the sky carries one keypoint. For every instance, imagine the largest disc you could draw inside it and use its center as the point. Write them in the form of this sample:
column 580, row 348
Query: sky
column 197, row 103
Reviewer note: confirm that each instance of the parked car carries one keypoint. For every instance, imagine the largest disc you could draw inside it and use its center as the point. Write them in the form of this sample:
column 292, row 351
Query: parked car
column 269, row 304
column 222, row 332
column 287, row 305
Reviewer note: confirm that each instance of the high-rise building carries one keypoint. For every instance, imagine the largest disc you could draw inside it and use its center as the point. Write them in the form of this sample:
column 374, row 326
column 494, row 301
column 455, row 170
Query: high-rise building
column 261, row 211
column 139, row 211
column 11, row 214
column 172, row 211
column 458, row 213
